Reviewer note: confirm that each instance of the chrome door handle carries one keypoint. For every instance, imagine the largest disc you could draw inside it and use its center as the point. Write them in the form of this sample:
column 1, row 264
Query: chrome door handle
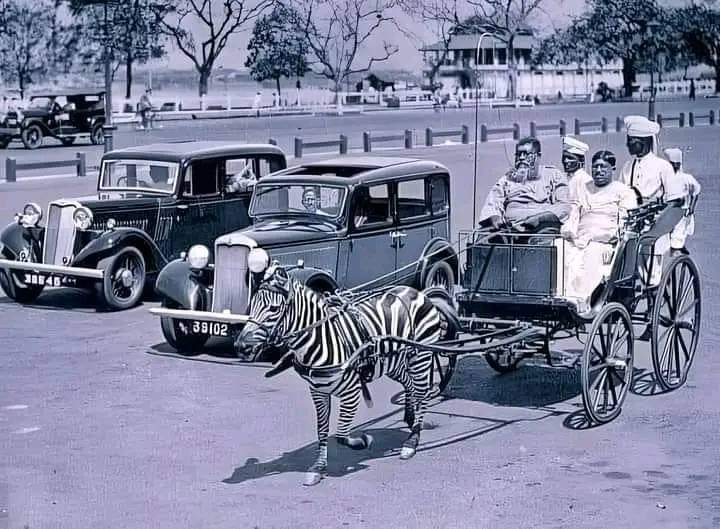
column 182, row 206
column 397, row 235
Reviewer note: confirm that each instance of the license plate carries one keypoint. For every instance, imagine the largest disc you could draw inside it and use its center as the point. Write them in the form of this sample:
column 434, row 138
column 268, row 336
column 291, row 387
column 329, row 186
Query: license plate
column 43, row 279
column 210, row 328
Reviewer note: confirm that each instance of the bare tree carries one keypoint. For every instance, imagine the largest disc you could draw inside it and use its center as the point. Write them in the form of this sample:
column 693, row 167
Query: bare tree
column 218, row 20
column 506, row 19
column 337, row 31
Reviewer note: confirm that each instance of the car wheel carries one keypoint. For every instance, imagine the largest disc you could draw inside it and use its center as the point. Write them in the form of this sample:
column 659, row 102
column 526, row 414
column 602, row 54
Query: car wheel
column 177, row 333
column 14, row 285
column 440, row 274
column 32, row 137
column 67, row 141
column 124, row 279
column 97, row 137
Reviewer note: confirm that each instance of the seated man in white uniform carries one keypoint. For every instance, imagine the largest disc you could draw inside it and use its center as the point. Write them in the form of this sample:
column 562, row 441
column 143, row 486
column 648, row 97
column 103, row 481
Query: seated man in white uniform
column 592, row 228
column 690, row 189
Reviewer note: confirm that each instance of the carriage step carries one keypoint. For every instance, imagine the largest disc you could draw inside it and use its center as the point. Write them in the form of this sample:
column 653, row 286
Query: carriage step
column 558, row 359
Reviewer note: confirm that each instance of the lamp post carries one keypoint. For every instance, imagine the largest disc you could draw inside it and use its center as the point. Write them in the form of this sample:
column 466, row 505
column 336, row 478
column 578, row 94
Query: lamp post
column 477, row 102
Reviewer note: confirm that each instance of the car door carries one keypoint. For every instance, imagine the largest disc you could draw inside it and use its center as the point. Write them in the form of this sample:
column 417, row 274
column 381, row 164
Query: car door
column 371, row 247
column 414, row 225
column 199, row 208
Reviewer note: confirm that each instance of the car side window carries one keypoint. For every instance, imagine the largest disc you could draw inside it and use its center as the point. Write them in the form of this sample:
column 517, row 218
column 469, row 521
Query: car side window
column 439, row 197
column 202, row 179
column 371, row 207
column 241, row 174
column 411, row 199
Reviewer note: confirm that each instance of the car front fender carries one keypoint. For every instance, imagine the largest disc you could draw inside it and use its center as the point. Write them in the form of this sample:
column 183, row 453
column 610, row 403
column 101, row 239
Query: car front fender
column 27, row 122
column 179, row 284
column 109, row 241
column 436, row 249
column 15, row 238
column 315, row 278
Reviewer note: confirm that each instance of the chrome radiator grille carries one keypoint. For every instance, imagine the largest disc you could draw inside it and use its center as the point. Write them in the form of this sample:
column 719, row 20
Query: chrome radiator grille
column 231, row 290
column 59, row 235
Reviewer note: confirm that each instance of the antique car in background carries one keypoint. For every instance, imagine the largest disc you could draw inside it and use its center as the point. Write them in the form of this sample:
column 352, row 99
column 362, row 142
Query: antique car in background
column 10, row 117
column 65, row 116
column 350, row 221
column 152, row 203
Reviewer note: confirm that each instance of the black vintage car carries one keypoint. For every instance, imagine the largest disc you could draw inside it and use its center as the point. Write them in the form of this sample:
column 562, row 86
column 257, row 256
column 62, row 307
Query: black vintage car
column 353, row 221
column 152, row 202
column 64, row 116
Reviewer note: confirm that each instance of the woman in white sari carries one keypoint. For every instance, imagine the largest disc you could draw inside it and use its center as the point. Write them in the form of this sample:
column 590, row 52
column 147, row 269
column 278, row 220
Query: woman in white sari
column 592, row 228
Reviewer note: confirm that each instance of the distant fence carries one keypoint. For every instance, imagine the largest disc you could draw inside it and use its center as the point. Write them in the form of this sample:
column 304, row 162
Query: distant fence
column 300, row 145
column 12, row 167
column 485, row 131
column 369, row 139
column 431, row 134
column 561, row 127
column 580, row 125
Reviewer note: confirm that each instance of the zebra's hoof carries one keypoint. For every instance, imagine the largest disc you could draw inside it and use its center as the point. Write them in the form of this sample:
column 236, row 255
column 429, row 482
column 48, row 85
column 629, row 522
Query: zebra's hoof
column 312, row 478
column 368, row 440
column 406, row 452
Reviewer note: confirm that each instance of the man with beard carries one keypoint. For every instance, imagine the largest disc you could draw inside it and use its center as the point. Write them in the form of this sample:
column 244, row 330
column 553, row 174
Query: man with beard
column 530, row 196
column 592, row 228
column 573, row 160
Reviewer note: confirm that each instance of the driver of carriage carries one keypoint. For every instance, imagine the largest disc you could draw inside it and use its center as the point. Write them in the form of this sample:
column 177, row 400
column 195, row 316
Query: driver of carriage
column 593, row 226
column 529, row 196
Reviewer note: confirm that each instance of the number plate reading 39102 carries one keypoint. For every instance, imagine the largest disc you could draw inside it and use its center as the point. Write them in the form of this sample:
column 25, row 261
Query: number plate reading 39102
column 210, row 328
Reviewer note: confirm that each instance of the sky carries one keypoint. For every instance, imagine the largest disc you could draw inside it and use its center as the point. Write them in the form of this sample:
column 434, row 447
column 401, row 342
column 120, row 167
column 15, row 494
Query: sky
column 556, row 13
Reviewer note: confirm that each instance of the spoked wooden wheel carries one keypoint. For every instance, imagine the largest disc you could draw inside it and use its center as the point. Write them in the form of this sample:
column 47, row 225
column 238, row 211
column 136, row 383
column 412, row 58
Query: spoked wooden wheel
column 676, row 322
column 443, row 368
column 607, row 363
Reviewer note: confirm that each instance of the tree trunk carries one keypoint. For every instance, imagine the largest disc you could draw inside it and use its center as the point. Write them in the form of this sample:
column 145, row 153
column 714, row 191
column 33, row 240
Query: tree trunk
column 628, row 72
column 512, row 73
column 277, row 83
column 204, row 79
column 128, row 77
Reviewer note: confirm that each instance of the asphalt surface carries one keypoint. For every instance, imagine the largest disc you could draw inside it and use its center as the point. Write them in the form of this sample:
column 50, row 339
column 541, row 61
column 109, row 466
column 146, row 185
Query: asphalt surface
column 328, row 127
column 102, row 426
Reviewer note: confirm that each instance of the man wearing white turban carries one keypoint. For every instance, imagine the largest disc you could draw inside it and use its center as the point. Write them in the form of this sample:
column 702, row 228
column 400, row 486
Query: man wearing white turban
column 690, row 191
column 573, row 161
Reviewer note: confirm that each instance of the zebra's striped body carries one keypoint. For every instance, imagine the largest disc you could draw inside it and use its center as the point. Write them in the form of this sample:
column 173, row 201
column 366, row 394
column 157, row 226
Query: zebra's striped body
column 322, row 338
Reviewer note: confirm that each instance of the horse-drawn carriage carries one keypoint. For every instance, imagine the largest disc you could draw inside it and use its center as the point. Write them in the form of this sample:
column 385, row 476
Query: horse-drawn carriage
column 512, row 306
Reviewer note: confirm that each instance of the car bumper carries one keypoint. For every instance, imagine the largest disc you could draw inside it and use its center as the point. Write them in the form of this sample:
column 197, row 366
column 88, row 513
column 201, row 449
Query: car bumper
column 70, row 271
column 199, row 315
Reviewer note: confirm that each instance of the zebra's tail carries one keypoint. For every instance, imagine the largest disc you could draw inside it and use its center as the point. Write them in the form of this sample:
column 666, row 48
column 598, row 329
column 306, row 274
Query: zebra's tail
column 445, row 304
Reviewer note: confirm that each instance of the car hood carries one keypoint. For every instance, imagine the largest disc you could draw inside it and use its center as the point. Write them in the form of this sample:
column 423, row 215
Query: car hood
column 274, row 233
column 35, row 113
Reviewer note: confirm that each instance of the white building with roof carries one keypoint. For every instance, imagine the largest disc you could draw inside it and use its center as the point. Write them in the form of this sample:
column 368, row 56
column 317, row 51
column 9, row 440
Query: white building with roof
column 459, row 68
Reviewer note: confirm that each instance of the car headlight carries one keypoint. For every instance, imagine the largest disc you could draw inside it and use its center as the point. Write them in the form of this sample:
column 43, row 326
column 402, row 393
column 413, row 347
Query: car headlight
column 82, row 218
column 198, row 256
column 32, row 213
column 258, row 260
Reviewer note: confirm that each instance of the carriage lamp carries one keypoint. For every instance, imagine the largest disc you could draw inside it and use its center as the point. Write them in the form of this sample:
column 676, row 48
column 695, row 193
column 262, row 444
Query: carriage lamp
column 82, row 218
column 198, row 256
column 258, row 260
column 31, row 215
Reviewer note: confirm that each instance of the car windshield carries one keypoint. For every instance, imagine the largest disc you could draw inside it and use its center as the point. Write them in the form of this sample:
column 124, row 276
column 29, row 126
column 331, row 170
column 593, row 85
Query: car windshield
column 40, row 102
column 142, row 175
column 298, row 199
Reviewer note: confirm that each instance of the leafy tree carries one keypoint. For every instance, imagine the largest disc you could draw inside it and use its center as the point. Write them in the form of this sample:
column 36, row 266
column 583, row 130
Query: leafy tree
column 216, row 21
column 131, row 28
column 24, row 41
column 700, row 25
column 633, row 31
column 277, row 48
column 337, row 30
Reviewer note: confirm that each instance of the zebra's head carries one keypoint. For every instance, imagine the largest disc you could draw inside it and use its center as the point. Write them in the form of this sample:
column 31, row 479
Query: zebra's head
column 263, row 332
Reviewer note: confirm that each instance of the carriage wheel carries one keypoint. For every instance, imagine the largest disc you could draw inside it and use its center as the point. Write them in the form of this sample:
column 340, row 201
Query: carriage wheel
column 607, row 363
column 443, row 367
column 675, row 322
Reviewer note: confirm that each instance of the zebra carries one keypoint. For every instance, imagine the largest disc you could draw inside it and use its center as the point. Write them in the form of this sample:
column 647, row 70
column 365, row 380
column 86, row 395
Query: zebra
column 322, row 339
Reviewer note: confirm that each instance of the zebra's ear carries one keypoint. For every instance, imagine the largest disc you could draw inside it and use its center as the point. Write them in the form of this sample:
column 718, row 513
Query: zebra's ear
column 280, row 277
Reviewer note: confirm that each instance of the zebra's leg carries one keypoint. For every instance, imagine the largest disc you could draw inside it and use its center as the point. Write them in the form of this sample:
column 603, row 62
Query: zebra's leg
column 322, row 411
column 349, row 403
column 419, row 366
column 402, row 376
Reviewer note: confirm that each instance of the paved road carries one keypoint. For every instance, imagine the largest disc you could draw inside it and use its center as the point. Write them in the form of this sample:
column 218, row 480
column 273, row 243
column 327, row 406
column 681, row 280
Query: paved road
column 101, row 426
column 284, row 129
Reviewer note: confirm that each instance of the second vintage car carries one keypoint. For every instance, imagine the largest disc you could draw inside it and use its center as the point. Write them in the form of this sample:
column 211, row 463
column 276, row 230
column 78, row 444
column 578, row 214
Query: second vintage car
column 152, row 202
column 351, row 222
